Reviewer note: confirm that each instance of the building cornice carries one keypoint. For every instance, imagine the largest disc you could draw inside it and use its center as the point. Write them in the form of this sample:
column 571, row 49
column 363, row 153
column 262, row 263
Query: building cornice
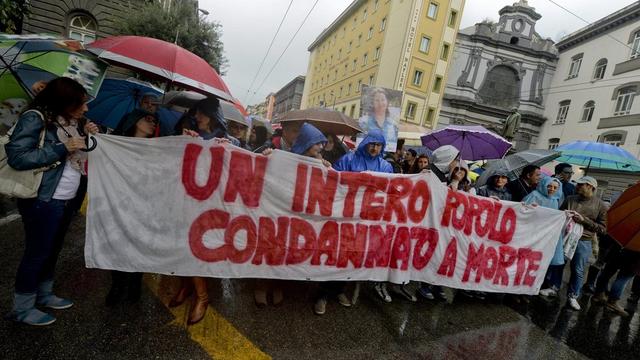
column 468, row 104
column 336, row 23
column 618, row 18
column 503, row 45
column 509, row 9
column 296, row 79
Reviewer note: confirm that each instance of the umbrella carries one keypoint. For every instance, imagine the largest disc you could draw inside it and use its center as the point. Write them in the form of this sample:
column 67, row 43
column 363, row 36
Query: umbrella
column 168, row 118
column 326, row 120
column 164, row 60
column 514, row 163
column 598, row 155
column 117, row 98
column 183, row 99
column 474, row 142
column 231, row 113
column 623, row 219
column 27, row 63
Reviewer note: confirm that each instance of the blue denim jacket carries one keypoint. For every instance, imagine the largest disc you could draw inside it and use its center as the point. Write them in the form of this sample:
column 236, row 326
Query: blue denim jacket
column 23, row 152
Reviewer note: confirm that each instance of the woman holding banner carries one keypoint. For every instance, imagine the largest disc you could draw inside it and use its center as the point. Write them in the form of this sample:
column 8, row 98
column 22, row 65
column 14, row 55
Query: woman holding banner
column 548, row 194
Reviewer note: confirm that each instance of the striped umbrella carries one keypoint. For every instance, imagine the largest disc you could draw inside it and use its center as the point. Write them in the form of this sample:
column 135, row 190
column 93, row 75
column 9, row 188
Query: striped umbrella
column 597, row 155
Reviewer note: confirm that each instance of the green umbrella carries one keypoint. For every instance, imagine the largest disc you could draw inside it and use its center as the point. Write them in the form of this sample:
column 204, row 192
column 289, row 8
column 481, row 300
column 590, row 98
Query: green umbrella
column 28, row 62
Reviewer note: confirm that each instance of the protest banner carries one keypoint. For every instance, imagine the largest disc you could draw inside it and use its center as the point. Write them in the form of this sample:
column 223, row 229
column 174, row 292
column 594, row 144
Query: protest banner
column 190, row 207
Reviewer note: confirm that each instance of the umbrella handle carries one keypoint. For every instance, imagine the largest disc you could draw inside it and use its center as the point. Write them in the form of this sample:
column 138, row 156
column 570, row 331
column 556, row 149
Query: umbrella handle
column 93, row 145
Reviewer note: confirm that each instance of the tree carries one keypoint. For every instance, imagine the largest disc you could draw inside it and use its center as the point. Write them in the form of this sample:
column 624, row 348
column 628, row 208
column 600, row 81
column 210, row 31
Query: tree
column 181, row 24
column 11, row 14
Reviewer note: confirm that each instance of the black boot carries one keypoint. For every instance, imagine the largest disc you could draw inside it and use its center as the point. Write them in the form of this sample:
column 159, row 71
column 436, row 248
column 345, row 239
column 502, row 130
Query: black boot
column 134, row 287
column 118, row 288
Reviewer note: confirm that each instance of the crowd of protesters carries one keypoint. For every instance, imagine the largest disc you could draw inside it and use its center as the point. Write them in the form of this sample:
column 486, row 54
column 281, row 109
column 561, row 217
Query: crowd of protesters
column 57, row 112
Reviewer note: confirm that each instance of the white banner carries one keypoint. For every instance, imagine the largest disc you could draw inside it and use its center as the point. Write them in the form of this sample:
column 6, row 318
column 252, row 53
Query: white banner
column 184, row 206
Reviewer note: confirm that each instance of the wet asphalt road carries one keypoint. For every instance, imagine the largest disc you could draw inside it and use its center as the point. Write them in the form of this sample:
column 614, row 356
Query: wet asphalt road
column 235, row 328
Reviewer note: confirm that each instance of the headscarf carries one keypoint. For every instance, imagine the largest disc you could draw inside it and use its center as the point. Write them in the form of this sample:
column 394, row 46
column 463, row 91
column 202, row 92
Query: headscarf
column 541, row 196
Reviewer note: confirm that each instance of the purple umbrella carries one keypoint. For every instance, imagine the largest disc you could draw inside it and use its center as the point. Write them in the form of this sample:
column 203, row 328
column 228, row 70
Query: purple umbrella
column 474, row 142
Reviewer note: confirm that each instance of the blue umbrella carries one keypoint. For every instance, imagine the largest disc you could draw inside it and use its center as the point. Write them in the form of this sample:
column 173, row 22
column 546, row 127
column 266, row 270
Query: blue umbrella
column 168, row 119
column 117, row 98
column 598, row 155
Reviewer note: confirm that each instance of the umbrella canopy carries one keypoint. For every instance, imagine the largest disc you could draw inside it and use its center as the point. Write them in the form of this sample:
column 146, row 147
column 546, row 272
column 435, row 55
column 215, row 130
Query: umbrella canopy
column 28, row 62
column 117, row 98
column 474, row 142
column 623, row 219
column 231, row 113
column 183, row 99
column 514, row 163
column 326, row 120
column 598, row 155
column 164, row 60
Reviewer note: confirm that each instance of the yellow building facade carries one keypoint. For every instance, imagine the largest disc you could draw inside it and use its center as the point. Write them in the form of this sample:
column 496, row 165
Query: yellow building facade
column 404, row 45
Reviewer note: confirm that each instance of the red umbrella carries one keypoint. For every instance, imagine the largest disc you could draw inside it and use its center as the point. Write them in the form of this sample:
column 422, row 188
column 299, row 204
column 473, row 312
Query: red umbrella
column 623, row 219
column 162, row 59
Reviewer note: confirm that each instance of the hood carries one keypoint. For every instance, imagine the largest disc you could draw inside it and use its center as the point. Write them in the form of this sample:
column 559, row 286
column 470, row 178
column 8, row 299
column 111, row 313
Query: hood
column 374, row 136
column 443, row 156
column 542, row 187
column 500, row 172
column 130, row 121
column 211, row 107
column 308, row 137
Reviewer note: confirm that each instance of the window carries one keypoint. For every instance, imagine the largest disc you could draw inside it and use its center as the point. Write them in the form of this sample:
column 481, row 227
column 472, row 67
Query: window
column 501, row 87
column 411, row 110
column 345, row 69
column 553, row 143
column 383, row 24
column 355, row 63
column 563, row 110
column 375, row 5
column 359, row 85
column 425, row 42
column 429, row 118
column 83, row 28
column 417, row 78
column 365, row 59
column 339, row 53
column 433, row 10
column 359, row 39
column 612, row 139
column 635, row 47
column 376, row 55
column 335, row 75
column 364, row 15
column 453, row 18
column 331, row 60
column 437, row 84
column 370, row 80
column 574, row 69
column 340, row 93
column 352, row 111
column 587, row 111
column 624, row 101
column 350, row 44
column 349, row 89
column 344, row 109
column 601, row 67
column 370, row 33
column 445, row 52
column 355, row 19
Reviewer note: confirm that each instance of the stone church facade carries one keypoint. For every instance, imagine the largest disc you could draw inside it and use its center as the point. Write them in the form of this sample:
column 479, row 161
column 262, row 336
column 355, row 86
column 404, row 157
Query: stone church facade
column 498, row 67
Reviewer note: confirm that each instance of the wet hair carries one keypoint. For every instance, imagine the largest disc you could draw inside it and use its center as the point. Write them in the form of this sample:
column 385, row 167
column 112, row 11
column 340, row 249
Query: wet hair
column 61, row 96
column 415, row 168
column 413, row 152
column 560, row 167
column 529, row 170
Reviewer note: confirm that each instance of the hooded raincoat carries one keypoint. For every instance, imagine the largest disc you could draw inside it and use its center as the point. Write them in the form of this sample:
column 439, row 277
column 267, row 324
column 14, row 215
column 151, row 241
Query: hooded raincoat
column 360, row 160
column 490, row 189
column 309, row 136
column 540, row 196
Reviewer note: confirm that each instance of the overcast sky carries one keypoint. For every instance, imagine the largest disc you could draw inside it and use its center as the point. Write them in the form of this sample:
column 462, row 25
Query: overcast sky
column 249, row 25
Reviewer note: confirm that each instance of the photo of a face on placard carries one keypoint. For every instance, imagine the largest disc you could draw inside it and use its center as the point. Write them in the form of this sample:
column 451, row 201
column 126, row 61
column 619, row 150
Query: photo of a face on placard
column 380, row 110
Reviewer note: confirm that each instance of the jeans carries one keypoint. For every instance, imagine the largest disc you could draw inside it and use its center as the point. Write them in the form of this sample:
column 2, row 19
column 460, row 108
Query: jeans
column 578, row 264
column 45, row 224
column 619, row 284
column 553, row 279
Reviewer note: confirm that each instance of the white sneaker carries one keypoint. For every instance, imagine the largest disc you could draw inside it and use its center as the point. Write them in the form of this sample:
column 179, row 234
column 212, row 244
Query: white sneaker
column 320, row 307
column 344, row 300
column 381, row 289
column 549, row 292
column 573, row 303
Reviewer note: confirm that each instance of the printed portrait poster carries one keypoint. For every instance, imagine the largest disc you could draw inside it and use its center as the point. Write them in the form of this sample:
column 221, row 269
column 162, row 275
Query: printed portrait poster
column 380, row 110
